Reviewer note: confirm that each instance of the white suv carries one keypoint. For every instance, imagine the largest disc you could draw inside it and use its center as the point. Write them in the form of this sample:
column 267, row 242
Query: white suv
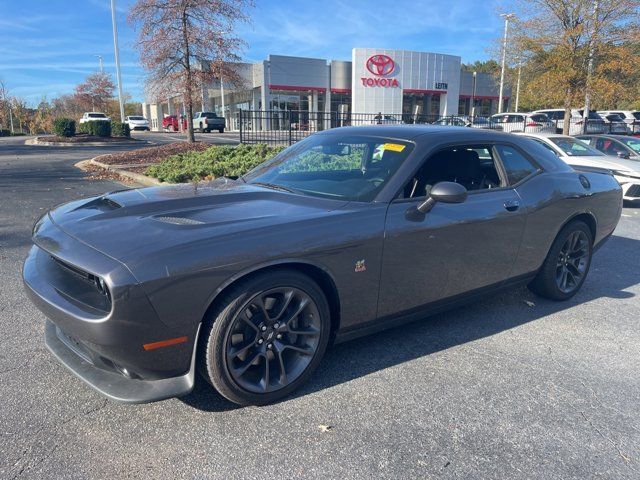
column 522, row 122
column 595, row 124
column 93, row 117
column 631, row 118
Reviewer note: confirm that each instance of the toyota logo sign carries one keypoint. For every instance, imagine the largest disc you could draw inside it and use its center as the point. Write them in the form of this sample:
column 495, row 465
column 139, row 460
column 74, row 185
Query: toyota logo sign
column 380, row 65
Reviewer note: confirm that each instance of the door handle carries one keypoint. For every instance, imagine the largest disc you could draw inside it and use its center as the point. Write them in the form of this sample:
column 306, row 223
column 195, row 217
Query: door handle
column 512, row 205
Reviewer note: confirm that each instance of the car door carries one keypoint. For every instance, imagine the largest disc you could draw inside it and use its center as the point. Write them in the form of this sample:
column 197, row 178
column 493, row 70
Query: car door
column 454, row 248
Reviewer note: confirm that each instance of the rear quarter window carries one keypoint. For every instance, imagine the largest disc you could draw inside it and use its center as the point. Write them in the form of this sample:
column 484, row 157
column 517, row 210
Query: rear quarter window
column 516, row 165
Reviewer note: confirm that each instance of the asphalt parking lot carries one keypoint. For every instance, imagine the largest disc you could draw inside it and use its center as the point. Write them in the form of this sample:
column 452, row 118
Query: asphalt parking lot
column 511, row 387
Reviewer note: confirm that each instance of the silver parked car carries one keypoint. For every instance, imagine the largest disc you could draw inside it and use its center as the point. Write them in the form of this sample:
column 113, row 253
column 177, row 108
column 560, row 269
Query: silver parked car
column 523, row 122
column 580, row 155
column 615, row 145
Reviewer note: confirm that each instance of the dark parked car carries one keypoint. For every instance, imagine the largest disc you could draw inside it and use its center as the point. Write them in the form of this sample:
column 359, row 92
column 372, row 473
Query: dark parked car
column 343, row 234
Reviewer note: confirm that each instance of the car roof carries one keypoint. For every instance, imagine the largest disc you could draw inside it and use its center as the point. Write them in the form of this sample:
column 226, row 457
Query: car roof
column 411, row 132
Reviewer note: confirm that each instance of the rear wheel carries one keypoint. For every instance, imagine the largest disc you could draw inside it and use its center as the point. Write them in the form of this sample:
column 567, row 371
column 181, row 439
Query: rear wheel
column 266, row 338
column 221, row 130
column 567, row 264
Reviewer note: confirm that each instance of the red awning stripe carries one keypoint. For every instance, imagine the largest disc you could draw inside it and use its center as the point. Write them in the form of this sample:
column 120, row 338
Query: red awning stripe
column 294, row 88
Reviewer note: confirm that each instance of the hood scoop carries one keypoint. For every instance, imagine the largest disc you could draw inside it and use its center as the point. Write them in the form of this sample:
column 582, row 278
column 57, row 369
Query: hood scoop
column 102, row 204
column 178, row 220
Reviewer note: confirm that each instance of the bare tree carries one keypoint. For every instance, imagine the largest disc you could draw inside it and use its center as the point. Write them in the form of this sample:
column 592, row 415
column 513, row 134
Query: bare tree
column 95, row 91
column 562, row 39
column 185, row 44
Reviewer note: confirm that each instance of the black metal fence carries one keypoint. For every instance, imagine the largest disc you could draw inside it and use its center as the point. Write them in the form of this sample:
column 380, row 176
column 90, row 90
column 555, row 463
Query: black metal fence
column 286, row 127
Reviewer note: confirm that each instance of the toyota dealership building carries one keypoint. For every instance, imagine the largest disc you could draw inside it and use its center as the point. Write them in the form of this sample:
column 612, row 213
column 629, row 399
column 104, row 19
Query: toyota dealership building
column 391, row 82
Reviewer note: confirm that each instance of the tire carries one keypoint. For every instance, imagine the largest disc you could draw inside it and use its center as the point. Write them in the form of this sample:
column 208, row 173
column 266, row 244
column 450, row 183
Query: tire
column 573, row 240
column 201, row 130
column 221, row 130
column 243, row 359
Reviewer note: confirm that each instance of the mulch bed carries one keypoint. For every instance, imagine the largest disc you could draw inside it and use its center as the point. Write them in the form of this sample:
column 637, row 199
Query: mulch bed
column 97, row 173
column 82, row 138
column 151, row 154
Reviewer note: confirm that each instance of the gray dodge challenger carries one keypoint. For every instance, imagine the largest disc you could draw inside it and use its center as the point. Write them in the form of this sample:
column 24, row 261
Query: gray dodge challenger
column 348, row 232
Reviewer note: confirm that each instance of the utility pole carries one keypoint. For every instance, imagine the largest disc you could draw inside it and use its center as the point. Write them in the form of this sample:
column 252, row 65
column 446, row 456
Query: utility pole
column 101, row 65
column 507, row 17
column 518, row 85
column 592, row 45
column 117, row 55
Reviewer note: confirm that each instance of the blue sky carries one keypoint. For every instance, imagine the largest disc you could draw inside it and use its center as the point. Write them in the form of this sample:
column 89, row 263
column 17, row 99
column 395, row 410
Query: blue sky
column 49, row 46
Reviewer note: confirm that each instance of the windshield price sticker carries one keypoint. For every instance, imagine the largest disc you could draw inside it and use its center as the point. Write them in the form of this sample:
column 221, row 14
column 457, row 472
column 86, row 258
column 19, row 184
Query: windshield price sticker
column 393, row 147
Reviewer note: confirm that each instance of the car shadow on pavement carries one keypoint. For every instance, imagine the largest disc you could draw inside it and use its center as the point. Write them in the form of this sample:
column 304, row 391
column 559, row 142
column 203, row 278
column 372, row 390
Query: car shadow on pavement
column 610, row 276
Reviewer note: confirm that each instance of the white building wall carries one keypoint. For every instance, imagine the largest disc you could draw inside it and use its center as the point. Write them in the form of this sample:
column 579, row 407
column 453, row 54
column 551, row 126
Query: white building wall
column 420, row 72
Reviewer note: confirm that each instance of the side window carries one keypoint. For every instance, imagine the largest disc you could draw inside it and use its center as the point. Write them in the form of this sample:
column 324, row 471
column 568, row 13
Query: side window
column 516, row 165
column 472, row 166
column 540, row 142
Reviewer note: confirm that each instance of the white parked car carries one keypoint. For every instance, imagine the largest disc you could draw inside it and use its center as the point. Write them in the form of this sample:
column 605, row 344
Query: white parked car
column 523, row 122
column 137, row 122
column 595, row 124
column 630, row 117
column 94, row 116
column 614, row 123
column 579, row 154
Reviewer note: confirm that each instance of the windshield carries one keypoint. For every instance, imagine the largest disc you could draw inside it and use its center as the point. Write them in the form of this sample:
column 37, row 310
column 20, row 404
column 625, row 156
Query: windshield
column 136, row 118
column 576, row 148
column 632, row 143
column 209, row 115
column 97, row 115
column 332, row 166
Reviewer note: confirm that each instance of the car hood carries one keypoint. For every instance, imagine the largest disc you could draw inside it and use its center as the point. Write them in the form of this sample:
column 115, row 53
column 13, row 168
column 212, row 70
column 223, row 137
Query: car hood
column 607, row 161
column 129, row 224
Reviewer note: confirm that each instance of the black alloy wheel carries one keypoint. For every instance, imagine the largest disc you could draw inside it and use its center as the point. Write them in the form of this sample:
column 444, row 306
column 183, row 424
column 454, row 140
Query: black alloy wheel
column 572, row 262
column 273, row 339
column 266, row 337
column 567, row 264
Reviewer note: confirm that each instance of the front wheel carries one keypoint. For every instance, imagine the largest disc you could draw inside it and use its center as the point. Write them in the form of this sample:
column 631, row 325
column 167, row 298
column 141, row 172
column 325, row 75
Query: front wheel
column 567, row 264
column 266, row 337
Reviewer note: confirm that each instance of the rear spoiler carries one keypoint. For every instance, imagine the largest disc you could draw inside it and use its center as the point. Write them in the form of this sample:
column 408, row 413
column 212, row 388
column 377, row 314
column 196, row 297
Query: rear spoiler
column 584, row 169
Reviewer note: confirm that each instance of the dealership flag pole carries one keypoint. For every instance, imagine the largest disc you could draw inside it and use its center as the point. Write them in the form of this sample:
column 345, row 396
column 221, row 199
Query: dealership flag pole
column 507, row 17
column 117, row 55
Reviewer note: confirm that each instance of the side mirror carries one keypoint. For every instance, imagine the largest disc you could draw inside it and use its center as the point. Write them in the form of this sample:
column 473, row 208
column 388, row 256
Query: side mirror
column 445, row 192
column 622, row 154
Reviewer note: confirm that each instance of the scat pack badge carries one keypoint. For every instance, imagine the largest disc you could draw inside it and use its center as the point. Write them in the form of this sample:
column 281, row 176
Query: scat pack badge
column 360, row 266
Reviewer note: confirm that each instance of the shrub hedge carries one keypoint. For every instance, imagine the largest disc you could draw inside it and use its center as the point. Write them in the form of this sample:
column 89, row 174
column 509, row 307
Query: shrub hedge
column 119, row 129
column 216, row 161
column 64, row 127
column 5, row 133
column 99, row 128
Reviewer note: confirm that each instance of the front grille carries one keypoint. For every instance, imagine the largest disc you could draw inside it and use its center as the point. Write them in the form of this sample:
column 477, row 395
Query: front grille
column 634, row 191
column 74, row 270
column 78, row 286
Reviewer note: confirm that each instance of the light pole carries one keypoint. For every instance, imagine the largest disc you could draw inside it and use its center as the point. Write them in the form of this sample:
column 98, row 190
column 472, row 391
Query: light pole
column 518, row 84
column 507, row 17
column 473, row 97
column 592, row 42
column 117, row 55
column 99, row 57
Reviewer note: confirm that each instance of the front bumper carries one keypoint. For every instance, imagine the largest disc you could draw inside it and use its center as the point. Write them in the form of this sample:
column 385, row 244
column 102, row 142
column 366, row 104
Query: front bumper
column 630, row 188
column 113, row 384
column 109, row 339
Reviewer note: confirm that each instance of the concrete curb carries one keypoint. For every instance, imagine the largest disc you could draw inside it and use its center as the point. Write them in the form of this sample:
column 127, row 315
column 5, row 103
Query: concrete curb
column 137, row 177
column 35, row 141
